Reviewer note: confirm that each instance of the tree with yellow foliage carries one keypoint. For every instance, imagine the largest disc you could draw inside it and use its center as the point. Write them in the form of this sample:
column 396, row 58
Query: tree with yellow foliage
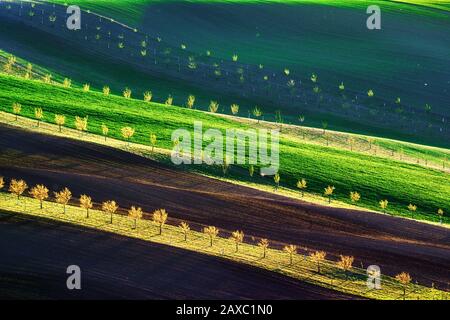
column 383, row 205
column 86, row 87
column 86, row 203
column 404, row 278
column 291, row 250
column 47, row 78
column 60, row 120
column 318, row 257
column 67, row 83
column 212, row 233
column 127, row 133
column 234, row 109
column 106, row 91
column 345, row 263
column 276, row 179
column 412, row 208
column 160, row 218
column 148, row 96
column 263, row 244
column 135, row 213
column 17, row 108
column 17, row 187
column 257, row 113
column 127, row 93
column 39, row 114
column 190, row 101
column 184, row 227
column 39, row 192
column 328, row 192
column 213, row 106
column 105, row 130
column 2, row 183
column 169, row 100
column 238, row 237
column 110, row 207
column 440, row 213
column 355, row 196
column 302, row 185
column 63, row 197
column 153, row 140
column 81, row 124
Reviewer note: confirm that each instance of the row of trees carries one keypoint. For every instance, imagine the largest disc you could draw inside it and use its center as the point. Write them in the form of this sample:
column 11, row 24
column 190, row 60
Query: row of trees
column 160, row 216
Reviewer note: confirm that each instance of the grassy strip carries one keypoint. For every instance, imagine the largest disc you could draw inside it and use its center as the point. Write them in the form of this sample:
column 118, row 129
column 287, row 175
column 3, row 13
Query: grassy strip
column 302, row 268
column 374, row 177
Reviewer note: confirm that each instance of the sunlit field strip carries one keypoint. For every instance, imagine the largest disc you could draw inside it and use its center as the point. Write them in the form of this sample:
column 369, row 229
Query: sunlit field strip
column 163, row 155
column 354, row 282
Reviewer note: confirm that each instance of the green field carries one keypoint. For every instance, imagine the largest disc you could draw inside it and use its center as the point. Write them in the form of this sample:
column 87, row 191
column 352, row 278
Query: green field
column 375, row 177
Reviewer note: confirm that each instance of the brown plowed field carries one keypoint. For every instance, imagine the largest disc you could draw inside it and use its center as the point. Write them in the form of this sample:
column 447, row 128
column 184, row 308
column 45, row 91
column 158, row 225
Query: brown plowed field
column 104, row 173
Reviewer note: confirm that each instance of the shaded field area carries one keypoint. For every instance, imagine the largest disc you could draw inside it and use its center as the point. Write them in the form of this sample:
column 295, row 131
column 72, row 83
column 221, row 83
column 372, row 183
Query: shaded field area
column 36, row 254
column 394, row 244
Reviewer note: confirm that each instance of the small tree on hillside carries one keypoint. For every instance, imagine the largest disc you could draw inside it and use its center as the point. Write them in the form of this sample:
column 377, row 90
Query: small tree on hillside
column 135, row 213
column 153, row 141
column 2, row 183
column 86, row 203
column 190, row 101
column 110, row 207
column 355, row 196
column 184, row 227
column 17, row 108
column 291, row 250
column 412, row 208
column 328, row 192
column 148, row 96
column 302, row 185
column 86, row 87
column 276, row 179
column 39, row 192
column 160, row 218
column 17, row 187
column 212, row 233
column 404, row 278
column 127, row 93
column 440, row 213
column 318, row 257
column 67, row 83
column 238, row 237
column 345, row 263
column 127, row 133
column 63, row 197
column 383, row 205
column 81, row 124
column 106, row 90
column 105, row 130
column 257, row 113
column 60, row 120
column 213, row 106
column 39, row 114
column 47, row 78
column 169, row 100
column 234, row 109
column 263, row 244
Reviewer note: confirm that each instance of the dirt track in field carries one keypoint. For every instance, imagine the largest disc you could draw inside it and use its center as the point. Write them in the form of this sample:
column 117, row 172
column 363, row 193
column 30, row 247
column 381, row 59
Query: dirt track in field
column 104, row 173
column 36, row 254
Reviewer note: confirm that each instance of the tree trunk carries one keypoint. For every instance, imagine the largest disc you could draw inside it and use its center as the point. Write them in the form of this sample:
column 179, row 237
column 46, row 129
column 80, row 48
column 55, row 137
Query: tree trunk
column 40, row 204
column 87, row 213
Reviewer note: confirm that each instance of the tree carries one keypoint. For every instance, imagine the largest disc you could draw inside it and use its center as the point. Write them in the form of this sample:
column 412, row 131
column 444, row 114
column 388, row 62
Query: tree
column 17, row 187
column 190, row 101
column 404, row 278
column 412, row 208
column 351, row 142
column 257, row 113
column 67, row 83
column 440, row 213
column 39, row 114
column 213, row 106
column 47, row 78
column 169, row 100
column 238, row 237
column 106, row 90
column 17, row 108
column 324, row 126
column 291, row 250
column 318, row 257
column 148, row 95
column 345, row 263
column 276, row 179
column 39, row 192
column 314, row 78
column 212, row 233
column 263, row 244
column 251, row 170
column 302, row 185
column 135, row 213
column 354, row 196
column 328, row 192
column 127, row 133
column 105, row 130
column 160, row 218
column 234, row 109
column 2, row 183
column 384, row 205
column 153, row 140
column 127, row 93
column 86, row 87
column 370, row 93
column 63, row 197
column 184, row 227
column 235, row 57
column 86, row 203
column 342, row 86
column 81, row 124
column 60, row 120
column 110, row 207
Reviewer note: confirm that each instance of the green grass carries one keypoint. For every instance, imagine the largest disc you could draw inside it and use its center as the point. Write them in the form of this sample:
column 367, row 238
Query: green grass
column 375, row 177
column 354, row 282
